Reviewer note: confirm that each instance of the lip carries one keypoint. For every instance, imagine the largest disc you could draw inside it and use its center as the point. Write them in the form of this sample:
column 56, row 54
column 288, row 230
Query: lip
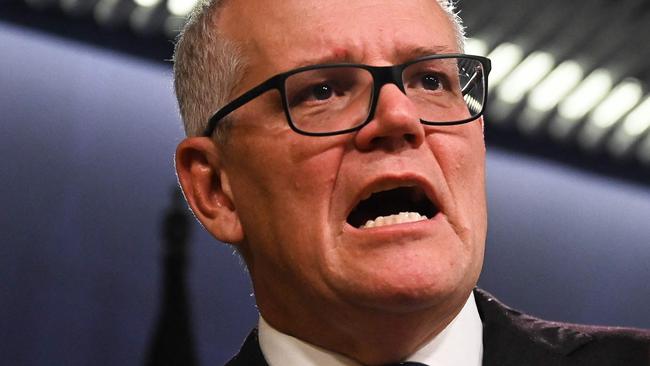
column 392, row 181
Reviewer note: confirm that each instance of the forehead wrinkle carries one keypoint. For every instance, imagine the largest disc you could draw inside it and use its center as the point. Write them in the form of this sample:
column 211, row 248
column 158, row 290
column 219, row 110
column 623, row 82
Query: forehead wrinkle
column 389, row 50
column 358, row 54
column 263, row 41
column 336, row 54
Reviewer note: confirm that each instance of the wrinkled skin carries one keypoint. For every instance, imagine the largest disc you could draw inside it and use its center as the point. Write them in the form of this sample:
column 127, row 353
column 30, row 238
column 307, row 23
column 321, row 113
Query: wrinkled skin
column 283, row 198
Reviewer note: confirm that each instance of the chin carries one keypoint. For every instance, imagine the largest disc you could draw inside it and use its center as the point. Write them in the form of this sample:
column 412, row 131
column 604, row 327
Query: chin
column 401, row 289
column 409, row 300
column 405, row 268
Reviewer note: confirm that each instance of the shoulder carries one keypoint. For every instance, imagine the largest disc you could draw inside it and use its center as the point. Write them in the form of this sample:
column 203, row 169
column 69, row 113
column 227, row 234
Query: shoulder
column 512, row 337
column 250, row 353
column 631, row 346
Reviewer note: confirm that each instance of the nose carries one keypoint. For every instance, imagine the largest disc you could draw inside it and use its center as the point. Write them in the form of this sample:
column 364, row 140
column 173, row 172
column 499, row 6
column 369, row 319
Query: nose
column 395, row 124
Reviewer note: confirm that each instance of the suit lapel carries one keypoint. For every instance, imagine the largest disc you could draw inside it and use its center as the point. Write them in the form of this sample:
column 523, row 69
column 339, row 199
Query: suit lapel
column 511, row 338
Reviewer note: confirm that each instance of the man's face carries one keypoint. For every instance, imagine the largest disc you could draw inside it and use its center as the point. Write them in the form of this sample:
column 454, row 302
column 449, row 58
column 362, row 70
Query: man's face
column 294, row 194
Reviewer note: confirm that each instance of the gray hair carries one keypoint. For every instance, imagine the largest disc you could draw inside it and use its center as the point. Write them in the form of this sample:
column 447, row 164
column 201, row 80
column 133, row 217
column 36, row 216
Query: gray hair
column 208, row 66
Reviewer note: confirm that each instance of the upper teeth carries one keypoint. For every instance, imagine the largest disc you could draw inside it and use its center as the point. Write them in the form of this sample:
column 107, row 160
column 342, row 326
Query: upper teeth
column 401, row 218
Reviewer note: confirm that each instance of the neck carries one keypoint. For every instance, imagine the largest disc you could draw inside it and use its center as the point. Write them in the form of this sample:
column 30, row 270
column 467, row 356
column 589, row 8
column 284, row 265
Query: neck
column 369, row 336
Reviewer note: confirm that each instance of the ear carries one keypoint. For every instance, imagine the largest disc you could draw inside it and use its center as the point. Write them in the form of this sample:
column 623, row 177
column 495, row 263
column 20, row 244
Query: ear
column 207, row 188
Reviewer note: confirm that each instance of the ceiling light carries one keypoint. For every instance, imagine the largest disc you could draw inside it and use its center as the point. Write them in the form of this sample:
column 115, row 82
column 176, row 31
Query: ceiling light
column 580, row 102
column 180, row 7
column 587, row 95
column 618, row 103
column 548, row 94
column 504, row 58
column 525, row 76
column 475, row 46
column 544, row 97
column 638, row 121
column 628, row 133
column 147, row 3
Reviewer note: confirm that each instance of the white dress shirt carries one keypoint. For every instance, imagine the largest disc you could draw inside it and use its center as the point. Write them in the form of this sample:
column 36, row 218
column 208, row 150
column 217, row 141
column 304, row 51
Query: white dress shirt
column 460, row 343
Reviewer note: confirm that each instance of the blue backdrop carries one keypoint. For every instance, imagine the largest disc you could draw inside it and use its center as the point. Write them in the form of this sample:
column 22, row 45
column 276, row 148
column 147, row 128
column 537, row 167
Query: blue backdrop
column 86, row 145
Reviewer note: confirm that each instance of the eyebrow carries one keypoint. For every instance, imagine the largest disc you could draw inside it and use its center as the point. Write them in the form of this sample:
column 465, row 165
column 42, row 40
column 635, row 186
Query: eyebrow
column 331, row 58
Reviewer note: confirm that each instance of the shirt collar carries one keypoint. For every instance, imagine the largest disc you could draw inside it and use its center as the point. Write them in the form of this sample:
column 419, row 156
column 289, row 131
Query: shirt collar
column 460, row 343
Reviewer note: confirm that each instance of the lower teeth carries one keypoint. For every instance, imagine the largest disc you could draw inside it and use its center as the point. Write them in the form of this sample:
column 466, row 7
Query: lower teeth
column 401, row 218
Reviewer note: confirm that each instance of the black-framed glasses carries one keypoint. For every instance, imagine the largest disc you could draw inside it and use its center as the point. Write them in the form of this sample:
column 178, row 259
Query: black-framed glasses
column 331, row 99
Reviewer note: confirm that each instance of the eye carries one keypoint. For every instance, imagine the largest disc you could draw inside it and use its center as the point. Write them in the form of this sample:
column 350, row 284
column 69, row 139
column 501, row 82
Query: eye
column 311, row 93
column 430, row 82
column 322, row 92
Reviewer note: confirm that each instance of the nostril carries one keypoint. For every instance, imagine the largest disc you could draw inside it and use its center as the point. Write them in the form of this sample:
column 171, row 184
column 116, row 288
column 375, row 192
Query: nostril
column 388, row 143
column 391, row 145
column 410, row 138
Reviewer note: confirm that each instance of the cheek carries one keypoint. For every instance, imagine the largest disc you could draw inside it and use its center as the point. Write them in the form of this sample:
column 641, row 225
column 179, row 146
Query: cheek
column 460, row 152
column 315, row 164
column 287, row 196
column 461, row 156
column 286, row 175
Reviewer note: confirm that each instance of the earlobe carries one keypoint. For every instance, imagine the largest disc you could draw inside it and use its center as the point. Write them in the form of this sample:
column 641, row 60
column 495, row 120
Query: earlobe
column 207, row 188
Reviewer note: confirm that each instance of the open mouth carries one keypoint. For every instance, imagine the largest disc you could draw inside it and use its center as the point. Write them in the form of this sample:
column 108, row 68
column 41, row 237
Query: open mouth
column 396, row 206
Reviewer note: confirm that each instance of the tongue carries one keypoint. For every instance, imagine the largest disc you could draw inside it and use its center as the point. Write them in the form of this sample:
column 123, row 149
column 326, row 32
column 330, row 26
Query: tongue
column 401, row 218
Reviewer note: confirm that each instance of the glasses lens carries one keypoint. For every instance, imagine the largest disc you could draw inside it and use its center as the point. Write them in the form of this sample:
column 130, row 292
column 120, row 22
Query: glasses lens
column 332, row 99
column 328, row 99
column 446, row 90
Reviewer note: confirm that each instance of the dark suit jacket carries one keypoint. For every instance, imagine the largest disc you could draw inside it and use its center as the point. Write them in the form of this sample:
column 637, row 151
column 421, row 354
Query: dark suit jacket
column 511, row 338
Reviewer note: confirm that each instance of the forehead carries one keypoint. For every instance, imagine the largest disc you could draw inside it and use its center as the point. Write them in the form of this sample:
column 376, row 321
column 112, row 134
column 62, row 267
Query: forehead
column 284, row 34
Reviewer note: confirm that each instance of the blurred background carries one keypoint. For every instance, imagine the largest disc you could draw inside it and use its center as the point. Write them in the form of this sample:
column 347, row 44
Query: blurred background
column 101, row 264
